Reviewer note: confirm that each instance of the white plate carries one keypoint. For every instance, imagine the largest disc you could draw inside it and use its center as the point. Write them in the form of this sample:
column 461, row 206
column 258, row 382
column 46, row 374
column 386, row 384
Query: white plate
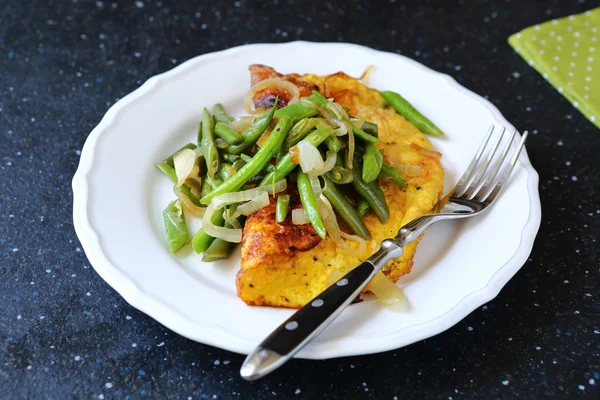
column 119, row 195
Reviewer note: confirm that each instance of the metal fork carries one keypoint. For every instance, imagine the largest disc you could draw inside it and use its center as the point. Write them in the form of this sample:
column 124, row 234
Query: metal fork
column 476, row 190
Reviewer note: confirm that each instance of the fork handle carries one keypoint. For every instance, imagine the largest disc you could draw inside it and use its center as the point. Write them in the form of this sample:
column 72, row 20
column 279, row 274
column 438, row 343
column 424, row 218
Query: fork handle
column 310, row 320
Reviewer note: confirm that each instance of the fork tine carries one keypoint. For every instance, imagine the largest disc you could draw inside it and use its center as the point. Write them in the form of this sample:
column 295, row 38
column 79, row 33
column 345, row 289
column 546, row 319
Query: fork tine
column 461, row 186
column 491, row 176
column 480, row 176
column 494, row 189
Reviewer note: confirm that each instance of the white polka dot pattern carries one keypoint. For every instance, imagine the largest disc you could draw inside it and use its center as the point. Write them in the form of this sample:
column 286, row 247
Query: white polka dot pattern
column 563, row 51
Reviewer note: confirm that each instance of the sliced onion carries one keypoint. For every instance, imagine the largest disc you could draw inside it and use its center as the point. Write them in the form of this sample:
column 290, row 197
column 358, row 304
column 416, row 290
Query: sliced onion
column 408, row 170
column 426, row 152
column 270, row 83
column 306, row 102
column 386, row 291
column 357, row 122
column 299, row 217
column 222, row 200
column 259, row 202
column 195, row 182
column 263, row 138
column 232, row 218
column 338, row 110
column 334, row 277
column 364, row 78
column 351, row 146
column 294, row 155
column 228, row 234
column 221, row 143
column 315, row 184
column 184, row 163
column 188, row 204
column 309, row 156
column 241, row 124
column 330, row 159
column 341, row 129
column 334, row 231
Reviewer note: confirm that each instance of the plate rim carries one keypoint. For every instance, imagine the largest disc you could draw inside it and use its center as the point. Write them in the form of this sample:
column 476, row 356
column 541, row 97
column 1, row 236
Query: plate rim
column 161, row 312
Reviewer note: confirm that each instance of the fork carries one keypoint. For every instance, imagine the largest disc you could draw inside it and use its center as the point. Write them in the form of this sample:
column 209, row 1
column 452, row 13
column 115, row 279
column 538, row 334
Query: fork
column 476, row 190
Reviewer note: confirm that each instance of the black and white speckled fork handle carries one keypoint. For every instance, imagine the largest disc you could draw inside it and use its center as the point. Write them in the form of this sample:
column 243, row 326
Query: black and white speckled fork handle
column 310, row 320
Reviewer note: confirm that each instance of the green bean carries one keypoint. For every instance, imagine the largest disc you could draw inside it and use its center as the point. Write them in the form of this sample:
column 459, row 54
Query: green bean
column 282, row 207
column 245, row 157
column 252, row 134
column 169, row 160
column 286, row 165
column 226, row 171
column 394, row 174
column 170, row 172
column 339, row 175
column 309, row 203
column 188, row 192
column 372, row 161
column 403, row 107
column 371, row 192
column 223, row 131
column 220, row 114
column 207, row 143
column 213, row 183
column 253, row 182
column 296, row 111
column 299, row 131
column 370, row 128
column 237, row 164
column 201, row 239
column 362, row 206
column 175, row 225
column 258, row 162
column 320, row 100
column 270, row 168
column 344, row 209
column 333, row 144
column 230, row 157
column 206, row 188
column 219, row 249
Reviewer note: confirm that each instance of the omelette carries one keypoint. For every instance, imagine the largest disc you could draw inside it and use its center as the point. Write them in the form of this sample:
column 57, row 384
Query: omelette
column 287, row 265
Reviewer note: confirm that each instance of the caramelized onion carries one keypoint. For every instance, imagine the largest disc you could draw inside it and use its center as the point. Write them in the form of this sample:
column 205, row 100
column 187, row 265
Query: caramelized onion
column 386, row 291
column 277, row 83
column 408, row 170
column 228, row 234
column 188, row 204
column 299, row 217
column 224, row 199
column 184, row 163
column 309, row 156
column 241, row 124
column 364, row 78
column 334, row 231
column 426, row 152
column 259, row 202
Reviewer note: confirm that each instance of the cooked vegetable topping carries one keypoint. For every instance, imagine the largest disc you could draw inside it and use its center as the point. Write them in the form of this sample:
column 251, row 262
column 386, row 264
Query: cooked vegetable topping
column 241, row 164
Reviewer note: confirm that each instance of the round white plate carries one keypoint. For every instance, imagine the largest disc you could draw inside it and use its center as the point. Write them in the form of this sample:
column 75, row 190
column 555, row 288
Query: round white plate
column 119, row 196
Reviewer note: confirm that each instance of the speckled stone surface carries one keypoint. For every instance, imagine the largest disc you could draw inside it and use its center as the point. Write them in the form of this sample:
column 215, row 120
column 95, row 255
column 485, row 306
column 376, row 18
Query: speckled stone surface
column 64, row 333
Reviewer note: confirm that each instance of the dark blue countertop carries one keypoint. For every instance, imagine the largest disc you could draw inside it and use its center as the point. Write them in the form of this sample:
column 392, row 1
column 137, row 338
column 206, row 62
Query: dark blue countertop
column 64, row 333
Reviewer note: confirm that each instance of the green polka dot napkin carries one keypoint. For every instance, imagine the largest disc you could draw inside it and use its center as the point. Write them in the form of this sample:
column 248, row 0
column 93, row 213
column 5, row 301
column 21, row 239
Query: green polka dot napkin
column 567, row 54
